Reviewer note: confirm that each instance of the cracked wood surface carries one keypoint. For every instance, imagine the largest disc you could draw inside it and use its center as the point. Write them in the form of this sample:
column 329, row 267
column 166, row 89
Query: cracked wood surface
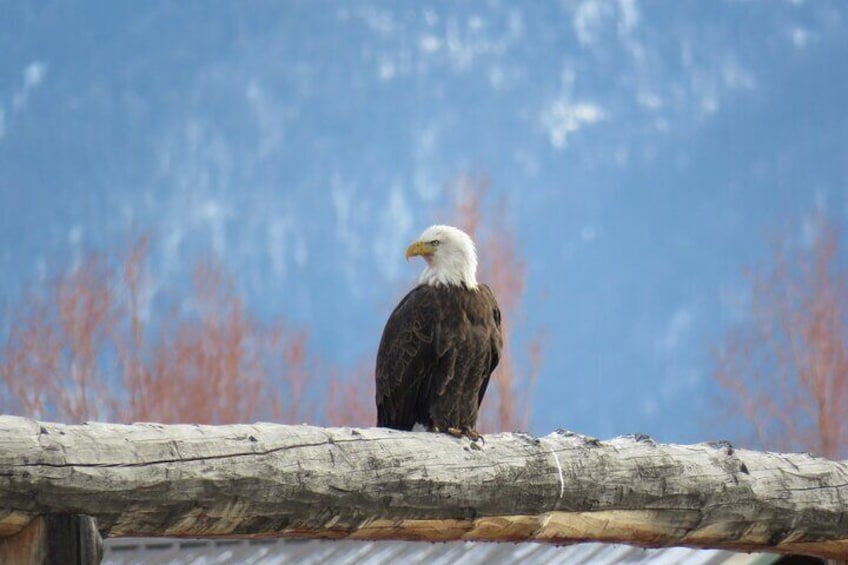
column 274, row 480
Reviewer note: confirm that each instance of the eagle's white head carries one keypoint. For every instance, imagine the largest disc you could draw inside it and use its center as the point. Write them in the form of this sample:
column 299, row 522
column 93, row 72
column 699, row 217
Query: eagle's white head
column 450, row 255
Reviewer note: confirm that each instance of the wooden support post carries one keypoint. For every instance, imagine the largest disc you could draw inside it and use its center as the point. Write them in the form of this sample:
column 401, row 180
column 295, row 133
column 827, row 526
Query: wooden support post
column 55, row 539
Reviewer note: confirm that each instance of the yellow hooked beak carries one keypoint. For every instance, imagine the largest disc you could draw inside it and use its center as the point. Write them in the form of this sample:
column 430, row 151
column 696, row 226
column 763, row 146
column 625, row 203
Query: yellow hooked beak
column 419, row 248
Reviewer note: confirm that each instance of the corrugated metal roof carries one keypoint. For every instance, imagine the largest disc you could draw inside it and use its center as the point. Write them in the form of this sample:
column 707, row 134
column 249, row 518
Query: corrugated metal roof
column 168, row 551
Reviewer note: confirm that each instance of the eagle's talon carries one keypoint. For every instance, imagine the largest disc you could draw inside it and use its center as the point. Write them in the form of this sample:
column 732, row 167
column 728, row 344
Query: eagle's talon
column 455, row 432
column 473, row 435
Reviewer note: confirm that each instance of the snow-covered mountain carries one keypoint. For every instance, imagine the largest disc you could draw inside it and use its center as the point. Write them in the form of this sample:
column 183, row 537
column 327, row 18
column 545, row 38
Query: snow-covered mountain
column 644, row 148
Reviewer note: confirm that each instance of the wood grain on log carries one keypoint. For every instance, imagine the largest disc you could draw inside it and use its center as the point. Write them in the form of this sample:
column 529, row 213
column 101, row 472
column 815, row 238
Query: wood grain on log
column 273, row 480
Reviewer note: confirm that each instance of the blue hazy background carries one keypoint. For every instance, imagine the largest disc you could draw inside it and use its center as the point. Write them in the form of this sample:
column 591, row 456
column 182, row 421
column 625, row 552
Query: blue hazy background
column 645, row 149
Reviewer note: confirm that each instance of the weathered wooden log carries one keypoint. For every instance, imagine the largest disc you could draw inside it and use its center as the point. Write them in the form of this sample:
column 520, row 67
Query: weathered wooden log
column 274, row 480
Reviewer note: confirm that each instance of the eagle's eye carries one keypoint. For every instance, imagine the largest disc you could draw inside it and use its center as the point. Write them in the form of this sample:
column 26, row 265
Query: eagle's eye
column 434, row 243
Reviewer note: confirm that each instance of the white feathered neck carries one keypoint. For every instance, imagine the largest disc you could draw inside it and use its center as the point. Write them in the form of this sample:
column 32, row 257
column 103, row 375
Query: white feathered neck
column 454, row 259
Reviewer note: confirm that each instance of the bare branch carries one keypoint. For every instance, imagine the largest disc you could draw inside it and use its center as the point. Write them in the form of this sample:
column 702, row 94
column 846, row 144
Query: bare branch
column 785, row 368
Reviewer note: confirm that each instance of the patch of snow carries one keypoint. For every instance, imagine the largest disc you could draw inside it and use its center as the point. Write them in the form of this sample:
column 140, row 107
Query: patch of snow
column 431, row 17
column 301, row 251
column 386, row 70
column 276, row 241
column 381, row 22
column 588, row 233
column 348, row 208
column 34, row 75
column 171, row 248
column 800, row 37
column 710, row 104
column 496, row 77
column 390, row 241
column 628, row 16
column 528, row 162
column 676, row 329
column 269, row 117
column 680, row 380
column 649, row 100
column 75, row 235
column 466, row 43
column 425, row 181
column 429, row 43
column 736, row 77
column 587, row 20
column 563, row 118
column 734, row 300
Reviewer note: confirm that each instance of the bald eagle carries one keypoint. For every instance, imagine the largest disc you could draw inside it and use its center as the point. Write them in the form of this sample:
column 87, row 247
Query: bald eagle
column 441, row 343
